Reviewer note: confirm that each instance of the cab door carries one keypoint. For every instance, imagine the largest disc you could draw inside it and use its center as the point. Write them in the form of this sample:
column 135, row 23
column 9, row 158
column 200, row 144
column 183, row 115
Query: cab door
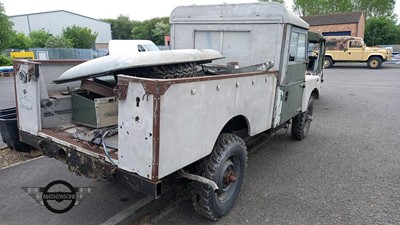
column 293, row 83
column 355, row 51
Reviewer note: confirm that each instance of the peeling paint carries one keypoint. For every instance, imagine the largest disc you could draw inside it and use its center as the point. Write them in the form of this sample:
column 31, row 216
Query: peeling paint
column 278, row 107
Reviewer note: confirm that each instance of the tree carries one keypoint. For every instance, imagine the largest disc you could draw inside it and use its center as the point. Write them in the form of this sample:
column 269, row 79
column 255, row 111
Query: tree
column 368, row 7
column 318, row 7
column 19, row 41
column 6, row 30
column 381, row 31
column 5, row 60
column 120, row 27
column 161, row 28
column 307, row 8
column 58, row 42
column 38, row 38
column 154, row 29
column 280, row 1
column 81, row 37
column 141, row 30
column 376, row 8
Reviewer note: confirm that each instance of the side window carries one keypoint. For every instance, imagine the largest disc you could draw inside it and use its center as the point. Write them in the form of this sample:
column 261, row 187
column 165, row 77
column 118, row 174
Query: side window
column 141, row 48
column 297, row 47
column 355, row 44
column 330, row 45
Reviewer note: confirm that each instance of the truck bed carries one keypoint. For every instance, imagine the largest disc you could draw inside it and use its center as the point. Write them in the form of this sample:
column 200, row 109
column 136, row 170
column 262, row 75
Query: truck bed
column 66, row 137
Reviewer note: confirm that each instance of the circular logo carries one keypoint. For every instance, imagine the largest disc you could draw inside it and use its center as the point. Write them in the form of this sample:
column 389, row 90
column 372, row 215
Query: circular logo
column 59, row 196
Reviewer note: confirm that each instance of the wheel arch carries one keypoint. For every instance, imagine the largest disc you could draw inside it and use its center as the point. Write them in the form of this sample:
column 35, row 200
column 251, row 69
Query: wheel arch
column 315, row 94
column 238, row 125
column 329, row 56
column 376, row 55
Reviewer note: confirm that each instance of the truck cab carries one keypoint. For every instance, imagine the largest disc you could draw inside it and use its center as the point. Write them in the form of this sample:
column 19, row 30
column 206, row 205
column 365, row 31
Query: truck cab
column 248, row 34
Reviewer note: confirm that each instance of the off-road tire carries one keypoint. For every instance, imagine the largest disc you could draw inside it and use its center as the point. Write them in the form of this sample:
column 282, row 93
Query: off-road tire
column 374, row 62
column 180, row 70
column 229, row 155
column 301, row 122
column 328, row 62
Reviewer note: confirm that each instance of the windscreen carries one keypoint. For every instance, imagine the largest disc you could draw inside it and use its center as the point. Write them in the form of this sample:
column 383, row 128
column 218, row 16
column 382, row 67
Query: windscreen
column 151, row 47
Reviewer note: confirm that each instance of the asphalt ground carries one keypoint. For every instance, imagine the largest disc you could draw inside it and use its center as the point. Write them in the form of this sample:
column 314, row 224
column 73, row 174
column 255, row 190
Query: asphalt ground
column 17, row 207
column 347, row 171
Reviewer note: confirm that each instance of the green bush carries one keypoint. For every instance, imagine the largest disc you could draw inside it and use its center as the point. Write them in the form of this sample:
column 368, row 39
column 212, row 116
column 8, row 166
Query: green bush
column 5, row 60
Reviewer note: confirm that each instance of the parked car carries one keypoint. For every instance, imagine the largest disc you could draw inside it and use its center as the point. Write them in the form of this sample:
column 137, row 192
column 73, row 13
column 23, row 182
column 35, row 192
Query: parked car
column 130, row 46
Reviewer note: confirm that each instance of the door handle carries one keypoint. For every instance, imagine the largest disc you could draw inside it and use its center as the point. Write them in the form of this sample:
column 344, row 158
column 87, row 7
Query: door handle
column 286, row 96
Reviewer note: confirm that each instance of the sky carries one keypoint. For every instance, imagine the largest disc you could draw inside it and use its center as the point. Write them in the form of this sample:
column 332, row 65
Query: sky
column 98, row 9
column 135, row 9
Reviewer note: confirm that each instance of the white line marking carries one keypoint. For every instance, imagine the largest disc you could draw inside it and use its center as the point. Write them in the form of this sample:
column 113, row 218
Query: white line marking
column 18, row 163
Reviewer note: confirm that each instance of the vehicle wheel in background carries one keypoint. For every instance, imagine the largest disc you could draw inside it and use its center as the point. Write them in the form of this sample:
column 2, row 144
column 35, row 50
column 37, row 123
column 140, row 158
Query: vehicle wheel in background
column 328, row 62
column 374, row 62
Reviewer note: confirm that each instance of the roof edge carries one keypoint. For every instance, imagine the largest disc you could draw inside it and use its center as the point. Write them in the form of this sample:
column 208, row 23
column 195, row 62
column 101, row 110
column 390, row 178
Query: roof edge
column 55, row 11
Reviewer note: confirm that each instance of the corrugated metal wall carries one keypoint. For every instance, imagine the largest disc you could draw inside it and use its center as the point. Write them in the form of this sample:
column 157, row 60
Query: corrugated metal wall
column 56, row 21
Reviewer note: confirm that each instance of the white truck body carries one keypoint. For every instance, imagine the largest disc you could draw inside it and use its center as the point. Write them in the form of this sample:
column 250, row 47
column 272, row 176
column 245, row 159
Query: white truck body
column 183, row 139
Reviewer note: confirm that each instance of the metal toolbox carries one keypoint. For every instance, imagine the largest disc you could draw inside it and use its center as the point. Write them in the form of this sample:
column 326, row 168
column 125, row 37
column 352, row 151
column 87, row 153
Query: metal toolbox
column 93, row 110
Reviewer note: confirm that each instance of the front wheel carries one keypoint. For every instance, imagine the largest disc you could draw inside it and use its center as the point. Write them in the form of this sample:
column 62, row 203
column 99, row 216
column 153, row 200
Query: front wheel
column 301, row 123
column 226, row 166
column 328, row 62
column 374, row 62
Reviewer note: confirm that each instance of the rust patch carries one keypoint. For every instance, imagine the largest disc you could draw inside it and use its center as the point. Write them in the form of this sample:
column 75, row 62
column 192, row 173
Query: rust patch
column 156, row 137
column 121, row 89
column 73, row 142
column 160, row 86
column 155, row 88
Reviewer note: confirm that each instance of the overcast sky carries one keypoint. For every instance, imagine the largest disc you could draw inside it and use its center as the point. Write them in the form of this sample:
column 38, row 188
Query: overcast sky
column 98, row 9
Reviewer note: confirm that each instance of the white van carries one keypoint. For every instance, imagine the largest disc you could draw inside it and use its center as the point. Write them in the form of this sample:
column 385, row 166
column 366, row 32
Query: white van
column 130, row 46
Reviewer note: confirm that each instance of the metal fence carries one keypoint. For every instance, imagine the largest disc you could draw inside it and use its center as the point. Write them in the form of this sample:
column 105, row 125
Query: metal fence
column 64, row 53
column 396, row 48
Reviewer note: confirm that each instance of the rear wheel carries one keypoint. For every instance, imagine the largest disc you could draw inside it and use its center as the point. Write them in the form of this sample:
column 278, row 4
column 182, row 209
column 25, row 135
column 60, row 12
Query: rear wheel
column 374, row 62
column 301, row 123
column 226, row 166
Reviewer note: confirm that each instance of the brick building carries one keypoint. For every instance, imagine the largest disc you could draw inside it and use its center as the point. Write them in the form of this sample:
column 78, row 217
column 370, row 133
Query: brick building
column 340, row 24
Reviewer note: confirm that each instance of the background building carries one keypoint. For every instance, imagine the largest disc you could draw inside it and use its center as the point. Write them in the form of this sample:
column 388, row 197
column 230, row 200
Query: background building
column 55, row 21
column 342, row 24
